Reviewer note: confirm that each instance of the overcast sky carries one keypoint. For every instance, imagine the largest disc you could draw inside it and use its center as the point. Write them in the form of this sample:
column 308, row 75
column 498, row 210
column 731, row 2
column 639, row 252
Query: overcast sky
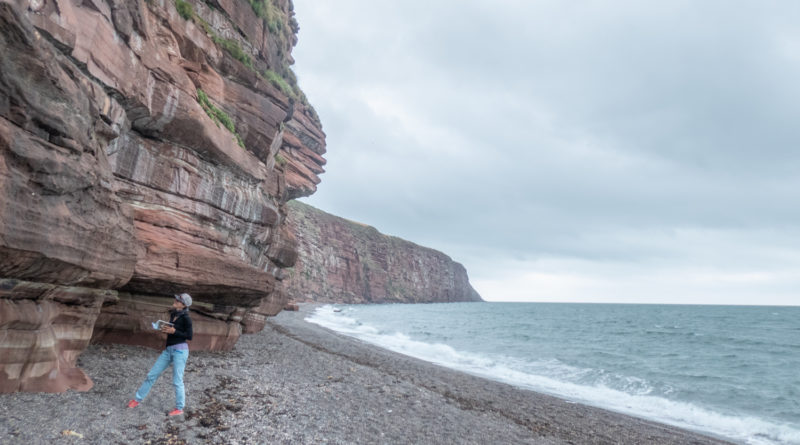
column 609, row 151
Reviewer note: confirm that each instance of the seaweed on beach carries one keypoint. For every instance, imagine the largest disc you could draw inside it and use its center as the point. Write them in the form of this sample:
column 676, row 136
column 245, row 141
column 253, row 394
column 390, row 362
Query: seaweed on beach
column 170, row 436
column 219, row 403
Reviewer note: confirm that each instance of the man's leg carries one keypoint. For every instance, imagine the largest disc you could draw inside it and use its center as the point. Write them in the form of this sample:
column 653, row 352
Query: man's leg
column 158, row 367
column 178, row 365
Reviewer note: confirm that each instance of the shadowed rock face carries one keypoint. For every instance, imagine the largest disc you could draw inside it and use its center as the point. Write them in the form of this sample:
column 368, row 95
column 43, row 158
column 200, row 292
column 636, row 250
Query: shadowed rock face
column 342, row 261
column 117, row 187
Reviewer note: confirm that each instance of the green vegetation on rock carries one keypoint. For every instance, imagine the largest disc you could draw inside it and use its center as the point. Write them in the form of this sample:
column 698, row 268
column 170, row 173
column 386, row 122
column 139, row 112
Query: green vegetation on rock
column 279, row 82
column 260, row 7
column 218, row 116
column 234, row 49
column 274, row 17
column 185, row 9
column 284, row 79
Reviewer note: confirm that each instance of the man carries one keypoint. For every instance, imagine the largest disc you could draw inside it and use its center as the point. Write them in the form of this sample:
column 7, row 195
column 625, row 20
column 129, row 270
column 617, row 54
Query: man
column 176, row 353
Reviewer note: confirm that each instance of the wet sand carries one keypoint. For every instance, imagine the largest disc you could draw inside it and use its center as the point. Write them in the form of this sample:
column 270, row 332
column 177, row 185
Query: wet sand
column 298, row 383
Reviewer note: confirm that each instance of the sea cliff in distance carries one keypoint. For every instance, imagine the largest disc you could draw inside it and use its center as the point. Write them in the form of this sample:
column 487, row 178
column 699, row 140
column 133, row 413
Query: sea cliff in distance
column 342, row 261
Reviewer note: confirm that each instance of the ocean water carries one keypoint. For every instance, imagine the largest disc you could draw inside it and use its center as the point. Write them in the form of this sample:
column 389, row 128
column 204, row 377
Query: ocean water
column 732, row 371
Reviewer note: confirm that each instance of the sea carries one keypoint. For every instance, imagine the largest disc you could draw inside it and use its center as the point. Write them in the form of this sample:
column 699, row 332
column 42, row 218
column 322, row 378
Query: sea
column 729, row 371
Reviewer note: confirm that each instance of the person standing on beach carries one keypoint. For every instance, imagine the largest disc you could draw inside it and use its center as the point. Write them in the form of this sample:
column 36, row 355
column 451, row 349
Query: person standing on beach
column 176, row 353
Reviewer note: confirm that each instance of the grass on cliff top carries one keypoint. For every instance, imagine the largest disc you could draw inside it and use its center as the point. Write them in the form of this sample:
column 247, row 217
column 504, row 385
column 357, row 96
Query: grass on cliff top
column 218, row 116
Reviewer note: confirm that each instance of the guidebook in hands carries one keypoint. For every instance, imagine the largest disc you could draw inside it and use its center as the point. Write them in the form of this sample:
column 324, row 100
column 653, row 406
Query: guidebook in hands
column 158, row 324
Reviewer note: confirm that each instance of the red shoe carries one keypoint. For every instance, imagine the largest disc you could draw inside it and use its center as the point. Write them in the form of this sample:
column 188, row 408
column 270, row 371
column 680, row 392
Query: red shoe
column 133, row 404
column 175, row 412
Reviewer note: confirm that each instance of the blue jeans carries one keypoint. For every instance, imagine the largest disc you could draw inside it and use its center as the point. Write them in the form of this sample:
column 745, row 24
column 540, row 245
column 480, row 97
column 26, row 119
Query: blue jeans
column 178, row 360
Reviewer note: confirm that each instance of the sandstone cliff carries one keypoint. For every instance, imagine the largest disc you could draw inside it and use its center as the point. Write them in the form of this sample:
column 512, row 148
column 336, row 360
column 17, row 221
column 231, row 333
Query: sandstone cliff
column 342, row 261
column 147, row 147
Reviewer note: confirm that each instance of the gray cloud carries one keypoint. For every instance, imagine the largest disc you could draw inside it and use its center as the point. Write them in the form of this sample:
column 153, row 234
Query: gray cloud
column 599, row 132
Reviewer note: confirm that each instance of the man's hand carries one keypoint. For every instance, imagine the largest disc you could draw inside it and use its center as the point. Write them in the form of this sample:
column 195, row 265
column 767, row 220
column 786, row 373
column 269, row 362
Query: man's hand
column 167, row 329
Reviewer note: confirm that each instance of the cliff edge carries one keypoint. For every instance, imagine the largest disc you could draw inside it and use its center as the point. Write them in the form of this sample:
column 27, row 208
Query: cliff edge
column 342, row 261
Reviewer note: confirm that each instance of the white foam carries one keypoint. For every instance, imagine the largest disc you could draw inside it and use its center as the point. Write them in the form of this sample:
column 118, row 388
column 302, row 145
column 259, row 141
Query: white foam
column 556, row 378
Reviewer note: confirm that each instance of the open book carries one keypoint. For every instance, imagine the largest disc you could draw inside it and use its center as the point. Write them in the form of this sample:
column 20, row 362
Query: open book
column 158, row 324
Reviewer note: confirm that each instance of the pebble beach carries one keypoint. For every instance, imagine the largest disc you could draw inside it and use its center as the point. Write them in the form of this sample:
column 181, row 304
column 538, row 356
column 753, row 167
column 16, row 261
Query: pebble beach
column 298, row 383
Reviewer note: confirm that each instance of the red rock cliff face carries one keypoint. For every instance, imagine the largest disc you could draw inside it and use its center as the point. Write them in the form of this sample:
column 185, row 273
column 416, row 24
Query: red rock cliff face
column 342, row 261
column 144, row 151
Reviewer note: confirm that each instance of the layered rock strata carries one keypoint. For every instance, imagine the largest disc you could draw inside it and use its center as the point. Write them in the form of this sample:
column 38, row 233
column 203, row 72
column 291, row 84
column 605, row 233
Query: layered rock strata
column 147, row 147
column 342, row 261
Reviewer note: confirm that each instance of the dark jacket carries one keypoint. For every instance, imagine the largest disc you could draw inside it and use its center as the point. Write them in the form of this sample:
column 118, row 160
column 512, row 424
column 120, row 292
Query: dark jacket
column 183, row 327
